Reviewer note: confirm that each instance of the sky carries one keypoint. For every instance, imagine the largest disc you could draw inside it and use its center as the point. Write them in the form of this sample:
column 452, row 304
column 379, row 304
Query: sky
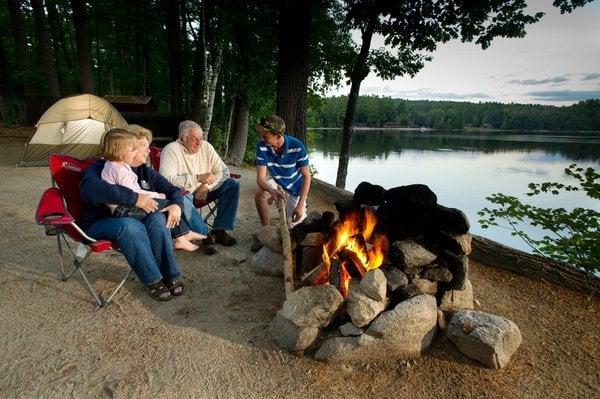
column 557, row 63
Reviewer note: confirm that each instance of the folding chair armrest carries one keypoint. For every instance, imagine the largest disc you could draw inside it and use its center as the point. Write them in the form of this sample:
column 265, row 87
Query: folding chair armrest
column 201, row 204
column 51, row 209
column 101, row 245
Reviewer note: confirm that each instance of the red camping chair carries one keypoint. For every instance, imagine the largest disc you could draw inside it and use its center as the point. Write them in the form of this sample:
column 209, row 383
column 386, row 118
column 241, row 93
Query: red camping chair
column 155, row 153
column 60, row 210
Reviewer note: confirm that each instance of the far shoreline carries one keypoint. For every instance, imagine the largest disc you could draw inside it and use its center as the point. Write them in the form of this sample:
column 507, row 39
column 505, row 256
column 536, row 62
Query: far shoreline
column 466, row 129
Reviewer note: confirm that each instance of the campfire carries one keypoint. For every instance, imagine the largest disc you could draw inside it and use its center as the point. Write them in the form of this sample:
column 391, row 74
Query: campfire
column 353, row 250
column 380, row 278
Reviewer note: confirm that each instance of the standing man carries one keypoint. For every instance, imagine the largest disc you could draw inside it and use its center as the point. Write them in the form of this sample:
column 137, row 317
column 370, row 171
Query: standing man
column 286, row 161
column 193, row 165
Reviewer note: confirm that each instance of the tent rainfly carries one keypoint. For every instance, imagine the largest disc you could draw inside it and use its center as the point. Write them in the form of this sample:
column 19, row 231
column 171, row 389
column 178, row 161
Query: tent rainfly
column 74, row 126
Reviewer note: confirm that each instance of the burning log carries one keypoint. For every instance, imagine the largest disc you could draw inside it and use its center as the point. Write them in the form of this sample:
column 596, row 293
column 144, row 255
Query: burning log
column 352, row 262
column 339, row 277
column 316, row 276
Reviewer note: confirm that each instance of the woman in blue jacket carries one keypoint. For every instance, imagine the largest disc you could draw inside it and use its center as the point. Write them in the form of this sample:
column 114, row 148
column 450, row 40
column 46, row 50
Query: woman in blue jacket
column 146, row 243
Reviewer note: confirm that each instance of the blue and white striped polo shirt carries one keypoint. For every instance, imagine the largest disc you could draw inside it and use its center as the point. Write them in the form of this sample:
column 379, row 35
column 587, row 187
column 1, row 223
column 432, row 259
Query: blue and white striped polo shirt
column 284, row 168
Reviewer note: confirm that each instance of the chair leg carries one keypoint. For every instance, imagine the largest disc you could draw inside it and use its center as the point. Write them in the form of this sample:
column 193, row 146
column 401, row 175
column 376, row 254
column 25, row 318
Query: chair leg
column 110, row 298
column 60, row 256
column 210, row 213
column 90, row 288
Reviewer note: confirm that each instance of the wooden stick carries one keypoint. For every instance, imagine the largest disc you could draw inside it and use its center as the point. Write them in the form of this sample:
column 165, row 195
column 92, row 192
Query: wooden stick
column 286, row 243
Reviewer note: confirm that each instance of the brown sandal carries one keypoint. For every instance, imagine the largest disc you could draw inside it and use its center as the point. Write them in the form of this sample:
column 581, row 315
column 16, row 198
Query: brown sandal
column 159, row 291
column 175, row 287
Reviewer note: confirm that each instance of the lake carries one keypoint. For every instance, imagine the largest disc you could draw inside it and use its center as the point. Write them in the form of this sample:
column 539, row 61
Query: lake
column 463, row 167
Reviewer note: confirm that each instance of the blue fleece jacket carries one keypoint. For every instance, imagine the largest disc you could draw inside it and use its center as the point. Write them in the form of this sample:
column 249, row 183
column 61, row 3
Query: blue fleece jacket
column 96, row 193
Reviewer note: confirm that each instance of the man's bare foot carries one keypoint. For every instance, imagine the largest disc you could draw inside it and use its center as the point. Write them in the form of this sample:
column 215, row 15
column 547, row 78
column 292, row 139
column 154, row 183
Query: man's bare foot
column 193, row 236
column 184, row 244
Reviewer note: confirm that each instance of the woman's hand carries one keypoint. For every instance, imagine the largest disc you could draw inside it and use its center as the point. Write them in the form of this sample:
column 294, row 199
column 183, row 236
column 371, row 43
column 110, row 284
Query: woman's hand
column 145, row 202
column 173, row 212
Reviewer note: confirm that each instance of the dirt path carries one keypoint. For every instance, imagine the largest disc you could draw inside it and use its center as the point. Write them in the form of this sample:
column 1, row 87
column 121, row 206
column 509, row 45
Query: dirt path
column 213, row 342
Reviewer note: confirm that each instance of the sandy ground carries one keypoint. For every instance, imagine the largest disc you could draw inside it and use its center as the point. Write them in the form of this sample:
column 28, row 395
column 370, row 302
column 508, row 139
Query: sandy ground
column 213, row 342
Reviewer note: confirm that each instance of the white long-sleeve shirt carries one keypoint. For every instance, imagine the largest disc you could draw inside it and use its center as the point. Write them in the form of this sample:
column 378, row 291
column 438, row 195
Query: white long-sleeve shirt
column 181, row 168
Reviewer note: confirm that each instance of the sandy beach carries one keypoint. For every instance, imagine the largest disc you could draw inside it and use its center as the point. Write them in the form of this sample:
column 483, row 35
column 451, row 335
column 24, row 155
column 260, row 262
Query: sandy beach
column 213, row 342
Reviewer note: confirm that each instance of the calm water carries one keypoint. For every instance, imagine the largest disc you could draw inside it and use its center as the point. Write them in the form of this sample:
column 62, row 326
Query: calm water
column 462, row 168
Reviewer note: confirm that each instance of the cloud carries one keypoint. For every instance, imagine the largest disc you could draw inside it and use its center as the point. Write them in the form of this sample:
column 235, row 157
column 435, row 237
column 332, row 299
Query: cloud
column 531, row 82
column 591, row 76
column 424, row 94
column 564, row 95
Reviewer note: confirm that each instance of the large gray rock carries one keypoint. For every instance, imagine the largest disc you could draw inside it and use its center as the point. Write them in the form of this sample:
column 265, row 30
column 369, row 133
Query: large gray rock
column 459, row 244
column 270, row 237
column 485, row 337
column 395, row 278
column 312, row 306
column 361, row 308
column 437, row 274
column 289, row 336
column 459, row 267
column 349, row 329
column 313, row 240
column 458, row 299
column 267, row 262
column 410, row 254
column 408, row 329
column 424, row 286
column 345, row 348
column 373, row 284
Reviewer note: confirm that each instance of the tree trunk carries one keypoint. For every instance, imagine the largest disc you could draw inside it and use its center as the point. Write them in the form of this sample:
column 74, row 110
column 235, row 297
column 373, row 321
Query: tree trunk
column 492, row 253
column 228, row 126
column 292, row 66
column 5, row 82
column 23, row 59
column 212, row 88
column 239, row 137
column 359, row 73
column 199, row 71
column 84, row 55
column 46, row 50
column 64, row 62
column 174, row 55
column 146, row 89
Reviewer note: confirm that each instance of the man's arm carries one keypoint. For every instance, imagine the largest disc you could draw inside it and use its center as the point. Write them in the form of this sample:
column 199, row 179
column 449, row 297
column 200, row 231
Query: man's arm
column 218, row 169
column 299, row 210
column 261, row 178
column 305, row 188
column 169, row 168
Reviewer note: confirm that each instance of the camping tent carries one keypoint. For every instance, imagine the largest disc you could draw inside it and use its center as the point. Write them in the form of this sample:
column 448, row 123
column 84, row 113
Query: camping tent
column 73, row 126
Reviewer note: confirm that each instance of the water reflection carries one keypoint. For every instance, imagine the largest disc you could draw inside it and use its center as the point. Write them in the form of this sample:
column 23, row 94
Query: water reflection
column 381, row 143
column 462, row 168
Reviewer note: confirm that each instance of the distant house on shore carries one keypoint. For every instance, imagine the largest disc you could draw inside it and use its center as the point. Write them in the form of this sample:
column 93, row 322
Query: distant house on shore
column 125, row 104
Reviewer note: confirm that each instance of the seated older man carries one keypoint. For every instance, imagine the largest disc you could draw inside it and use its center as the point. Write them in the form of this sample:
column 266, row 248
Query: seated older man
column 193, row 165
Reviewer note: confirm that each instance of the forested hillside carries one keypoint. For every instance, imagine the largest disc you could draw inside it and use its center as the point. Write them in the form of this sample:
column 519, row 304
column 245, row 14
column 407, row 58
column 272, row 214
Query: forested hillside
column 375, row 111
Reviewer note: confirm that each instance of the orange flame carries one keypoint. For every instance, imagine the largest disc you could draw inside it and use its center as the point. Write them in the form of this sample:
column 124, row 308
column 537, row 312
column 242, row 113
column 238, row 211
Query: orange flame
column 354, row 234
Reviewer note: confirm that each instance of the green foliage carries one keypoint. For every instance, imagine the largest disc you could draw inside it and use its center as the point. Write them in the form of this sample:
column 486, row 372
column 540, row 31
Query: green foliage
column 376, row 111
column 570, row 236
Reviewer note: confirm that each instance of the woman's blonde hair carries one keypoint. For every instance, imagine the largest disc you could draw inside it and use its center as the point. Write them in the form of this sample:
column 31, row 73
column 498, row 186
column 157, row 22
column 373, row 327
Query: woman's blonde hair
column 140, row 132
column 116, row 144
